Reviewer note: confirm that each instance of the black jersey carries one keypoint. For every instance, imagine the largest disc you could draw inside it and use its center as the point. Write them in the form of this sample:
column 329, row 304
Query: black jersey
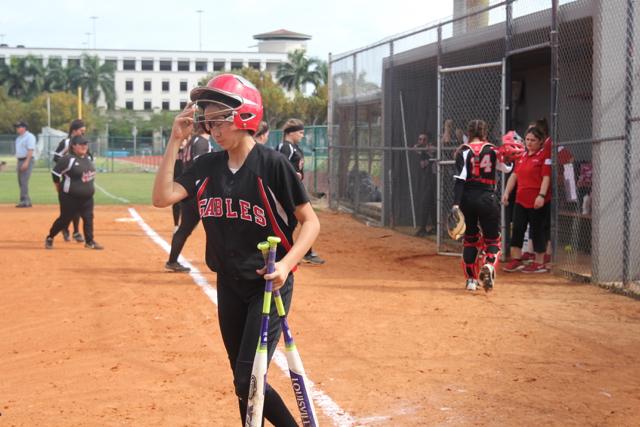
column 294, row 154
column 75, row 175
column 61, row 150
column 240, row 210
column 197, row 146
column 476, row 165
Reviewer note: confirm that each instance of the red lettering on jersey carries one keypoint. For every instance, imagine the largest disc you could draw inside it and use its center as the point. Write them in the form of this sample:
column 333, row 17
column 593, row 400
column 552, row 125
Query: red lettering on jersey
column 217, row 207
column 259, row 217
column 244, row 210
column 230, row 212
column 202, row 204
column 208, row 210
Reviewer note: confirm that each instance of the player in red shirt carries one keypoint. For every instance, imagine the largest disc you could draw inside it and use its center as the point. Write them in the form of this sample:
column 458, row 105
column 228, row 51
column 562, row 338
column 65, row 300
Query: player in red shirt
column 533, row 176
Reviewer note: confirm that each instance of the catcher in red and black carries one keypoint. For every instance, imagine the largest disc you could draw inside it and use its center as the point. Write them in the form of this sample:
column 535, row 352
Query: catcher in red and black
column 474, row 194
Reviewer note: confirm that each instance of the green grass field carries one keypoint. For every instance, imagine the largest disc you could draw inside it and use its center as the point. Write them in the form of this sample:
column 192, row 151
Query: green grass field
column 134, row 187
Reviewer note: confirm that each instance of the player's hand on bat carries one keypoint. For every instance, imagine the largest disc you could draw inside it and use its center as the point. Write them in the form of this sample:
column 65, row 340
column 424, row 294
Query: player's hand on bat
column 183, row 124
column 278, row 277
column 505, row 199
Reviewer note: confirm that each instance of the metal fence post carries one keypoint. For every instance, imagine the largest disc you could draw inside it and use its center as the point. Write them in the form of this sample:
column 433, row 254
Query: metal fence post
column 439, row 144
column 554, row 126
column 628, row 105
column 356, row 186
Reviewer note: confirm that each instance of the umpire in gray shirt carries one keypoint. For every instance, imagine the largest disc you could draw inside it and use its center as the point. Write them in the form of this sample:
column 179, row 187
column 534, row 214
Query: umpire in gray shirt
column 25, row 148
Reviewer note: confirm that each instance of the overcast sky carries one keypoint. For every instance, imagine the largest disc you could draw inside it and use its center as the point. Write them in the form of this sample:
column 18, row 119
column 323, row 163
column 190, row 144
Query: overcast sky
column 336, row 26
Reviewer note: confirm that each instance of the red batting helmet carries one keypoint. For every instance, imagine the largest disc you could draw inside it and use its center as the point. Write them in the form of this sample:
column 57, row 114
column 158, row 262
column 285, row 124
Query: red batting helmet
column 511, row 148
column 238, row 94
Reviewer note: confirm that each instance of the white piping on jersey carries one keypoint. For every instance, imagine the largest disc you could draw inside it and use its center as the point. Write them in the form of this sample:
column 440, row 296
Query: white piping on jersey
column 65, row 149
column 67, row 181
column 281, row 213
column 463, row 173
column 290, row 155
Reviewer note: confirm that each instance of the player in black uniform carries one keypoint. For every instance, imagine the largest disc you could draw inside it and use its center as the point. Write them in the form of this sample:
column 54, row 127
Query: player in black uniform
column 474, row 193
column 177, row 171
column 73, row 177
column 189, row 216
column 245, row 193
column 292, row 134
column 77, row 127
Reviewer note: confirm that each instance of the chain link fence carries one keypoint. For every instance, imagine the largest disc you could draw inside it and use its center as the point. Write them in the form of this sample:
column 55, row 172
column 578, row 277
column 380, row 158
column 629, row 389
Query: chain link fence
column 509, row 63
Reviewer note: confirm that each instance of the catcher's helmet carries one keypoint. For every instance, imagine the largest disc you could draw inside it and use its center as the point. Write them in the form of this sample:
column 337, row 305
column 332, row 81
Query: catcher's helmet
column 236, row 93
column 511, row 148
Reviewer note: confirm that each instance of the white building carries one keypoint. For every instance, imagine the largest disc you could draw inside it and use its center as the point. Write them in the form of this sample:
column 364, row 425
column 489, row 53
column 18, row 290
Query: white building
column 154, row 80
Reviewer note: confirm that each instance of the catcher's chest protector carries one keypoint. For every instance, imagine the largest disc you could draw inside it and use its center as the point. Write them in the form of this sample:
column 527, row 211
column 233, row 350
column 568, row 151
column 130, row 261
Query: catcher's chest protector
column 479, row 161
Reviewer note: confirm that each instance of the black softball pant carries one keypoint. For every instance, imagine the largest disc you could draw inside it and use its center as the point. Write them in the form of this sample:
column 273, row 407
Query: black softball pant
column 480, row 207
column 537, row 220
column 76, row 218
column 190, row 217
column 71, row 206
column 240, row 319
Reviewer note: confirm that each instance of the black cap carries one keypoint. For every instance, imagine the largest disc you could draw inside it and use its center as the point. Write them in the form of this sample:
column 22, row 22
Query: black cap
column 79, row 139
column 20, row 124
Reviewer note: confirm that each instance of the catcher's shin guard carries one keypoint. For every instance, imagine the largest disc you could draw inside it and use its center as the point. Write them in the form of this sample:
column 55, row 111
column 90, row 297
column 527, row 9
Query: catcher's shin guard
column 492, row 250
column 470, row 270
column 469, row 255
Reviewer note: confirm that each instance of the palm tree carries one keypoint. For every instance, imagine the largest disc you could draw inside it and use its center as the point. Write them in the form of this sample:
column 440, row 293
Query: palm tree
column 296, row 72
column 23, row 77
column 55, row 76
column 98, row 78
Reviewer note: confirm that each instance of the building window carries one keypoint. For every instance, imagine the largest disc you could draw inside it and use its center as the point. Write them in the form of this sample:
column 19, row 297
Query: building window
column 129, row 65
column 255, row 65
column 165, row 65
column 128, row 85
column 183, row 86
column 165, row 105
column 183, row 65
column 146, row 65
column 128, row 105
column 112, row 62
column 165, row 85
column 201, row 65
column 147, row 85
column 147, row 105
column 236, row 65
column 183, row 105
column 73, row 62
column 218, row 65
column 2, row 60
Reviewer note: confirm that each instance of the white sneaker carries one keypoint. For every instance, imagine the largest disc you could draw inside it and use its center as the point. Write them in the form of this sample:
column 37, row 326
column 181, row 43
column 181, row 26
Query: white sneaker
column 487, row 276
column 472, row 284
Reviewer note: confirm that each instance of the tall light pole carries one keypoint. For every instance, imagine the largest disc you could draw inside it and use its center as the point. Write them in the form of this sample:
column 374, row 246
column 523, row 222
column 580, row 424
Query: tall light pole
column 94, row 30
column 199, row 12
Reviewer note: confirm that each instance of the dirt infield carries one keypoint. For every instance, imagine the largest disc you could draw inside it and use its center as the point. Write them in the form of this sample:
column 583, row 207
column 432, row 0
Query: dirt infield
column 385, row 330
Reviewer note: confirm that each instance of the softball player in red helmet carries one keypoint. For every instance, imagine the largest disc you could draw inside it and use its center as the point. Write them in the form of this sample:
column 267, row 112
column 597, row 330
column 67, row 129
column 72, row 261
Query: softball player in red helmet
column 245, row 193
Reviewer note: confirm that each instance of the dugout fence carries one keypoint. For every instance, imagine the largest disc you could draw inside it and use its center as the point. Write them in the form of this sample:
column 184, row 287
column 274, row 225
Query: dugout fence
column 509, row 63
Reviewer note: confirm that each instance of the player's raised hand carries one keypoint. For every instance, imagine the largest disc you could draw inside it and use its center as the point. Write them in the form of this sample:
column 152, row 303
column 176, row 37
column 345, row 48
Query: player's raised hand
column 183, row 123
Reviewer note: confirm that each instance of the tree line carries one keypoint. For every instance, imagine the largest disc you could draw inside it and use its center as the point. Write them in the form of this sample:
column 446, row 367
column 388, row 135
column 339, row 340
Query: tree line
column 299, row 90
